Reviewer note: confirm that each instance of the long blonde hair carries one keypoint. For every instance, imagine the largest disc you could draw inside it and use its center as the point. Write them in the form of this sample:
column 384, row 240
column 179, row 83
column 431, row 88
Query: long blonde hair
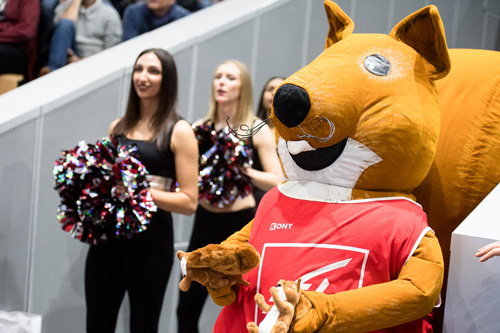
column 244, row 114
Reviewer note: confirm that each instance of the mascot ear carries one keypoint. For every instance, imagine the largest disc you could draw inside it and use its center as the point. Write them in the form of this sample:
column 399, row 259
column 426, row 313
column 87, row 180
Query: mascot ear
column 424, row 32
column 341, row 25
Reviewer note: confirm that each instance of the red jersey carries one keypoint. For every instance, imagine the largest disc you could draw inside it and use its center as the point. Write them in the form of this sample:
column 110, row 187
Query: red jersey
column 333, row 247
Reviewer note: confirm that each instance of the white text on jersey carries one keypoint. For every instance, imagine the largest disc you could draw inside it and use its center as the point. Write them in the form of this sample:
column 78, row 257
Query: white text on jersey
column 280, row 226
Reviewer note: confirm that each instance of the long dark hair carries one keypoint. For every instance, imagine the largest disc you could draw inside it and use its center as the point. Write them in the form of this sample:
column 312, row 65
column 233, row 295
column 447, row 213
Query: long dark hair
column 261, row 112
column 166, row 115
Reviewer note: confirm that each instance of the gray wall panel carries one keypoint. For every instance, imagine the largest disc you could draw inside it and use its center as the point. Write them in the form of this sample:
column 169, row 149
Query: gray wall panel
column 349, row 7
column 184, row 61
column 468, row 25
column 493, row 5
column 58, row 260
column 366, row 22
column 491, row 29
column 318, row 30
column 17, row 153
column 281, row 34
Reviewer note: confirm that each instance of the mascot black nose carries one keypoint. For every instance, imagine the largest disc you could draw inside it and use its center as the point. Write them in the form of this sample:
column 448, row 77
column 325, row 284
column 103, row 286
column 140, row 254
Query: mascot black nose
column 291, row 105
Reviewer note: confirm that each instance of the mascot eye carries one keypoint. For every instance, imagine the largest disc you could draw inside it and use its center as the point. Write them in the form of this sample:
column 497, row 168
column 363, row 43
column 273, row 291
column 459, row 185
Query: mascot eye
column 378, row 65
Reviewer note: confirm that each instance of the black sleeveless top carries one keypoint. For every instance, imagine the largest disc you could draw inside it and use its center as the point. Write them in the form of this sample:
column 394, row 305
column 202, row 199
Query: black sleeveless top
column 160, row 163
column 157, row 162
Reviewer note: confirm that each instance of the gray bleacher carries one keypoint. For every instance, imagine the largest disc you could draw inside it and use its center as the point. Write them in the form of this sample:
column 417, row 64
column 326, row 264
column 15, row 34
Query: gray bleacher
column 41, row 267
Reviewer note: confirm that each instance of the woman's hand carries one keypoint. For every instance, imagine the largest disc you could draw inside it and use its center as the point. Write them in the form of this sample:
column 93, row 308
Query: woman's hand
column 488, row 251
column 250, row 172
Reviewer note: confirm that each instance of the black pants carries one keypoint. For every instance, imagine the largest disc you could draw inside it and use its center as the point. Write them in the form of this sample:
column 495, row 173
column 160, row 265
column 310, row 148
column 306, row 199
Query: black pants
column 140, row 268
column 209, row 228
column 13, row 59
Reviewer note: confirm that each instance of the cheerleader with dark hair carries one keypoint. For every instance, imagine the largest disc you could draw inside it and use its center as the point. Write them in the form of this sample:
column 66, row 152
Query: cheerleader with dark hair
column 167, row 147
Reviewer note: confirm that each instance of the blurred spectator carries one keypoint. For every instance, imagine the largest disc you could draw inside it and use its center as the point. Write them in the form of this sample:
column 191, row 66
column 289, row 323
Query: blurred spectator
column 195, row 5
column 145, row 16
column 18, row 31
column 83, row 28
column 266, row 97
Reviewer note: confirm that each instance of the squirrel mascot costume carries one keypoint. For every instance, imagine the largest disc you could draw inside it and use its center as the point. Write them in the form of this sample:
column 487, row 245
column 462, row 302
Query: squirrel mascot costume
column 357, row 131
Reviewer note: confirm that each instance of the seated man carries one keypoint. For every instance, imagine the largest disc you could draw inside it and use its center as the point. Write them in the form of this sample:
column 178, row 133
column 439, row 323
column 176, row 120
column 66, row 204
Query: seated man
column 83, row 28
column 142, row 17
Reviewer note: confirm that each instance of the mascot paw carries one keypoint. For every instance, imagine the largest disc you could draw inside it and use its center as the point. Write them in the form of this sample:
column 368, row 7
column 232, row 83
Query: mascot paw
column 229, row 260
column 223, row 296
column 217, row 266
column 310, row 312
column 252, row 327
column 280, row 327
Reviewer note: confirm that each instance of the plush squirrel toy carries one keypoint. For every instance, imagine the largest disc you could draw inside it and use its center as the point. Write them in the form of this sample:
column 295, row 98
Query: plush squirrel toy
column 217, row 266
column 357, row 131
column 286, row 296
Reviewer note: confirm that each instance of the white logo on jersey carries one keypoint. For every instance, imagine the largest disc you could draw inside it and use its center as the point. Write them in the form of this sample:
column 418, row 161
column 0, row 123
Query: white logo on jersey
column 280, row 226
column 333, row 261
column 322, row 287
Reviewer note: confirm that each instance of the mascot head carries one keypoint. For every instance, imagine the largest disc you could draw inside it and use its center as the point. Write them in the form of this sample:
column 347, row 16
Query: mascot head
column 364, row 115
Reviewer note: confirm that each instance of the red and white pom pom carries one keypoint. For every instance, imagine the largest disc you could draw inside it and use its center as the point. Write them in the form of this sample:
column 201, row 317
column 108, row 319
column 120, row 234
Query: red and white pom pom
column 103, row 191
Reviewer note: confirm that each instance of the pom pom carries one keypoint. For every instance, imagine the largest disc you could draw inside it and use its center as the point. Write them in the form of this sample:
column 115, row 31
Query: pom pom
column 221, row 179
column 103, row 190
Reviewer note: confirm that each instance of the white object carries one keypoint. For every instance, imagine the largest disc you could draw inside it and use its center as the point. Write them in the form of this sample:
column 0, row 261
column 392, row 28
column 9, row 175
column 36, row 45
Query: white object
column 20, row 322
column 183, row 266
column 472, row 296
column 272, row 316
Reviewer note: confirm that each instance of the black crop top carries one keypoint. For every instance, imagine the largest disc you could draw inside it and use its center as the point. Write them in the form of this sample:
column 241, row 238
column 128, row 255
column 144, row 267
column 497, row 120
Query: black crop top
column 157, row 162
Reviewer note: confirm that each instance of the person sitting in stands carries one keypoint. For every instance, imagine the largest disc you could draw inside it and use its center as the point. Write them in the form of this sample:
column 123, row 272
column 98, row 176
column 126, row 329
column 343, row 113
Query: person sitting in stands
column 83, row 28
column 145, row 16
column 18, row 32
